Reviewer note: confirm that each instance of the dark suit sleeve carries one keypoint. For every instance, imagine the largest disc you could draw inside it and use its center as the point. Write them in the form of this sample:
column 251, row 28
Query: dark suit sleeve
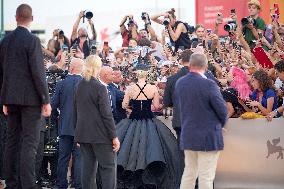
column 105, row 111
column 1, row 65
column 167, row 100
column 37, row 69
column 56, row 97
column 218, row 104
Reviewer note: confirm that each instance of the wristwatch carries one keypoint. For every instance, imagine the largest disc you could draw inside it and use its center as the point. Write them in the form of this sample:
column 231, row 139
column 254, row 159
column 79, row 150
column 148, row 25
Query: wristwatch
column 276, row 111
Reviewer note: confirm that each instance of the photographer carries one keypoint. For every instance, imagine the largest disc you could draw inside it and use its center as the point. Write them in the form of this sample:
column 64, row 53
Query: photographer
column 80, row 39
column 129, row 33
column 178, row 32
column 253, row 25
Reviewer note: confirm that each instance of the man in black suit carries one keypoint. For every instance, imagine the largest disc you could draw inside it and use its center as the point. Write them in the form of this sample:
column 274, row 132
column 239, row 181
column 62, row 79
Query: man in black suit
column 169, row 94
column 24, row 95
column 63, row 100
column 120, row 113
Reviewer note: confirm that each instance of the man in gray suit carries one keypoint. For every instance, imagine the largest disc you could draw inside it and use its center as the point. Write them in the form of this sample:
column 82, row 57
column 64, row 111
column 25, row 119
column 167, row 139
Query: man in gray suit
column 203, row 115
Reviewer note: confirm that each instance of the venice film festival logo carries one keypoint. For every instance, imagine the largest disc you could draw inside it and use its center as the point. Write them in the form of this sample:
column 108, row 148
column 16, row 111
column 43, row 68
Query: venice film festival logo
column 274, row 148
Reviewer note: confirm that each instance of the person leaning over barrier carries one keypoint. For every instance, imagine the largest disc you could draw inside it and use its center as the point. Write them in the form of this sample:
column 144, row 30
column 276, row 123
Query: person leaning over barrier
column 279, row 69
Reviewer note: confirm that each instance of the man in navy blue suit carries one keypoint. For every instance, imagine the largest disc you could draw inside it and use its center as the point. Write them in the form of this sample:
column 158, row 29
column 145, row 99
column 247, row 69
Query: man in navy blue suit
column 120, row 113
column 63, row 100
column 203, row 115
column 108, row 76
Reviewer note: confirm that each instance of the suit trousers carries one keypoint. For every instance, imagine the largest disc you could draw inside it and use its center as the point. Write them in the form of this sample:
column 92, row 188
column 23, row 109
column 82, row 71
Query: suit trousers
column 22, row 141
column 91, row 156
column 66, row 148
column 202, row 165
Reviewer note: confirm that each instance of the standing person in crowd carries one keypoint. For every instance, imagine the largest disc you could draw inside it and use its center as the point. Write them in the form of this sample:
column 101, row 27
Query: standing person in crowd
column 178, row 31
column 169, row 96
column 120, row 113
column 129, row 33
column 255, row 25
column 3, row 130
column 95, row 128
column 63, row 100
column 81, row 38
column 106, row 78
column 25, row 98
column 263, row 98
column 149, row 156
column 201, row 138
column 279, row 69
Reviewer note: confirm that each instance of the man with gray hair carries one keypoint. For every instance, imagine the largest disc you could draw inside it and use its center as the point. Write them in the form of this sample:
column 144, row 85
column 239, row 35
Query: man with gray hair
column 203, row 115
column 63, row 100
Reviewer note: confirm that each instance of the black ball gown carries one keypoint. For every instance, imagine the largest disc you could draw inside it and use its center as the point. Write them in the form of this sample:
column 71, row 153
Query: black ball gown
column 149, row 155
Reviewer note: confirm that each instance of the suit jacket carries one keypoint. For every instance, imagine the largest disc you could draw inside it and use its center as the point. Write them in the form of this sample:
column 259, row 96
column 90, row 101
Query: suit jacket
column 63, row 99
column 169, row 95
column 119, row 112
column 93, row 116
column 203, row 113
column 22, row 73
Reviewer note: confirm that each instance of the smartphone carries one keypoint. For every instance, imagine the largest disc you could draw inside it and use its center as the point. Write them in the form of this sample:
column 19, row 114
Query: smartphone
column 276, row 8
column 262, row 57
column 106, row 43
column 209, row 31
column 233, row 11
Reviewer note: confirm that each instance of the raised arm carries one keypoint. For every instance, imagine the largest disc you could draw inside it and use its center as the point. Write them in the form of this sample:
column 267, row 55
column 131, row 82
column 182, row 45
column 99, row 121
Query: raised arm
column 76, row 25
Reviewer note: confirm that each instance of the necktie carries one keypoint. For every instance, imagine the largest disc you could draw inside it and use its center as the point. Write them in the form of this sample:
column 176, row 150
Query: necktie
column 110, row 97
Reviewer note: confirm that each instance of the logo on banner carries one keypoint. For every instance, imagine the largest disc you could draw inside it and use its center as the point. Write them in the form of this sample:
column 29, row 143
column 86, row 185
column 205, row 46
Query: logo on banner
column 274, row 148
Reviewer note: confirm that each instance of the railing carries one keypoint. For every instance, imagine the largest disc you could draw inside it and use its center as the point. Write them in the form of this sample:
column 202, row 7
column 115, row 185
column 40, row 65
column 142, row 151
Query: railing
column 253, row 155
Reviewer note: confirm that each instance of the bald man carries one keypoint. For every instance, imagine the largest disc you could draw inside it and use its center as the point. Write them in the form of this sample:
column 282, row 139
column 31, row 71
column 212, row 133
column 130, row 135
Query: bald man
column 63, row 100
column 25, row 98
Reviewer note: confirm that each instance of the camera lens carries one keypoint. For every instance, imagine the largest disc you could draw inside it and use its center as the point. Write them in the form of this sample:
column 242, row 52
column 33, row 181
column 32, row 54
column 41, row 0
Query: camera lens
column 89, row 15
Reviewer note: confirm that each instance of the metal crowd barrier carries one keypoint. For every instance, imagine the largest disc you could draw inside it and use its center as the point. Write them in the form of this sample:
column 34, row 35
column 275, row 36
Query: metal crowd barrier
column 253, row 155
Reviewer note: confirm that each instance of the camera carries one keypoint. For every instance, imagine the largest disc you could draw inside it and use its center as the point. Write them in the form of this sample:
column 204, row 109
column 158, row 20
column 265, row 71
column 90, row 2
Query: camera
column 247, row 20
column 75, row 46
column 64, row 48
column 166, row 21
column 93, row 49
column 130, row 21
column 144, row 16
column 88, row 14
column 190, row 29
column 231, row 26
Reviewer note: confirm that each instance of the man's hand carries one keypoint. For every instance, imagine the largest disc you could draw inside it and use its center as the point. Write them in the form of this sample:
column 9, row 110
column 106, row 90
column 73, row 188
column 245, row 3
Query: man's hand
column 250, row 26
column 5, row 110
column 91, row 22
column 81, row 14
column 115, row 144
column 46, row 110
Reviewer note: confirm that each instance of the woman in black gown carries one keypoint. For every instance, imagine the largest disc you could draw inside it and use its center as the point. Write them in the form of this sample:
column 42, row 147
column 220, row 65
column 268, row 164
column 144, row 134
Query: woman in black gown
column 149, row 155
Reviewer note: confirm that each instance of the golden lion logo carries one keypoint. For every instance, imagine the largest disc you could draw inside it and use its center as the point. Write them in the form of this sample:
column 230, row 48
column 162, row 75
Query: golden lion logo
column 273, row 148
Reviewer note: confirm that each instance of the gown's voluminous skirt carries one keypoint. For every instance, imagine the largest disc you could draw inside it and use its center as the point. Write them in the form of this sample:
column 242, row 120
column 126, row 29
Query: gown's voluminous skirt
column 149, row 155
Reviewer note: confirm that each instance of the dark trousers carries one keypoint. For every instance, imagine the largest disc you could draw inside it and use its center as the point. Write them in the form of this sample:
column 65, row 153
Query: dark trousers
column 21, row 146
column 3, row 129
column 39, row 156
column 91, row 155
column 66, row 148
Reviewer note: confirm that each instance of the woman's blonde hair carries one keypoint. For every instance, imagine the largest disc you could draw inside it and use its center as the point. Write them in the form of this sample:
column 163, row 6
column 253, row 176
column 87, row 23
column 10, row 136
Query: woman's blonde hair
column 141, row 74
column 92, row 67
